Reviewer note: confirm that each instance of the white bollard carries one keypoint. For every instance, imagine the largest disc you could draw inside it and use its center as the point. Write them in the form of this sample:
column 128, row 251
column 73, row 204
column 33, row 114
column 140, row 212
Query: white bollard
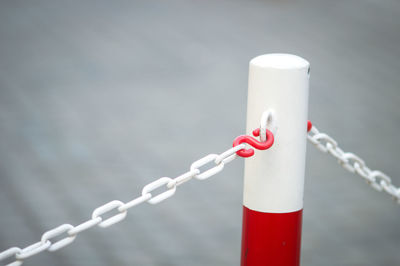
column 274, row 179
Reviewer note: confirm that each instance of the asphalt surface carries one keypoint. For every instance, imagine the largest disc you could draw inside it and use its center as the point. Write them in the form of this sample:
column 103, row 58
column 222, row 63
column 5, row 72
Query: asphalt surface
column 98, row 98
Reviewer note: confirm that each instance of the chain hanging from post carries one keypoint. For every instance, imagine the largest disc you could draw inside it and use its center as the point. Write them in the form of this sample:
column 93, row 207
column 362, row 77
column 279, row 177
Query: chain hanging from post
column 322, row 141
column 353, row 163
column 170, row 184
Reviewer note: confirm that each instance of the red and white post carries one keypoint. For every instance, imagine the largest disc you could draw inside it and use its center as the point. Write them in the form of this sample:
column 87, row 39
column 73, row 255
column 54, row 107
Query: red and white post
column 274, row 179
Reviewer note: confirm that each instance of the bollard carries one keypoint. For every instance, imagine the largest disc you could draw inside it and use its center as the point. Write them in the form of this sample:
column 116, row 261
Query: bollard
column 274, row 180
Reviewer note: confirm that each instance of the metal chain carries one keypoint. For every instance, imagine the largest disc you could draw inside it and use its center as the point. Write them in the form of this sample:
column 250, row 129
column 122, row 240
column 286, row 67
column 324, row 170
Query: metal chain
column 354, row 164
column 170, row 184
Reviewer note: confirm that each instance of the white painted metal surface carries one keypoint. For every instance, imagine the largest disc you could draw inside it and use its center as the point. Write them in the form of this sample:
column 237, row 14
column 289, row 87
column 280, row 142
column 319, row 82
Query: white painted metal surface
column 274, row 180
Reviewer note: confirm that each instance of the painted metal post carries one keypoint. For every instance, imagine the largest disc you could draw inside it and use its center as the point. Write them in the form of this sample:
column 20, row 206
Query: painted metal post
column 274, row 179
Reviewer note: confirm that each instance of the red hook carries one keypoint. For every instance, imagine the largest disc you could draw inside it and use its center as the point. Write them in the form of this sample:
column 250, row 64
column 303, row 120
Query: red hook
column 309, row 125
column 253, row 142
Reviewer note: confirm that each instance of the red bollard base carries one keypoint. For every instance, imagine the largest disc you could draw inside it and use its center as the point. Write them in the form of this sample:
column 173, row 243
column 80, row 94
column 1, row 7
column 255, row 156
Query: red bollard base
column 271, row 239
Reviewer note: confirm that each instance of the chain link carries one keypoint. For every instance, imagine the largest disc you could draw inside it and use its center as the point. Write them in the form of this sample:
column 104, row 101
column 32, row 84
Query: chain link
column 33, row 249
column 353, row 163
column 11, row 252
column 107, row 208
column 170, row 185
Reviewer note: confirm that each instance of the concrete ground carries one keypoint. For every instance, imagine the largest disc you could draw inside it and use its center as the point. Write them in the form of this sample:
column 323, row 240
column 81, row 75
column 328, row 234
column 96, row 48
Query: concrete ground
column 98, row 98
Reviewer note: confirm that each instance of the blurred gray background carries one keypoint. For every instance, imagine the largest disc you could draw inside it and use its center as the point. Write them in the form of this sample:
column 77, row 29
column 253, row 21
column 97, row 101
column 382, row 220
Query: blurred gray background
column 98, row 98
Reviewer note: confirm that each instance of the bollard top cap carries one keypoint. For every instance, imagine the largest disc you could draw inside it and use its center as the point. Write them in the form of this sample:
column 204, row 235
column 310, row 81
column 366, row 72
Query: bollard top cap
column 280, row 61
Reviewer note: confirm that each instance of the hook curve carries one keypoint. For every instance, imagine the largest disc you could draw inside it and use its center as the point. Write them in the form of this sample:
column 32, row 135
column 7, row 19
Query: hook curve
column 253, row 142
column 257, row 144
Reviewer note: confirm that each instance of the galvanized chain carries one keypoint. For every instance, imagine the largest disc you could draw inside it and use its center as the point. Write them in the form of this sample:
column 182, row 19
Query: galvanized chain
column 353, row 163
column 70, row 232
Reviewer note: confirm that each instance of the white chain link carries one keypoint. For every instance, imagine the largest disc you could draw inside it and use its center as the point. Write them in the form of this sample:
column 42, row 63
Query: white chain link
column 353, row 163
column 170, row 185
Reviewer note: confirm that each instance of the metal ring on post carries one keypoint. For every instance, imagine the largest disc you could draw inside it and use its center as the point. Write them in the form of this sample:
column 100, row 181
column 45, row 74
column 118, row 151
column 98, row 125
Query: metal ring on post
column 268, row 121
